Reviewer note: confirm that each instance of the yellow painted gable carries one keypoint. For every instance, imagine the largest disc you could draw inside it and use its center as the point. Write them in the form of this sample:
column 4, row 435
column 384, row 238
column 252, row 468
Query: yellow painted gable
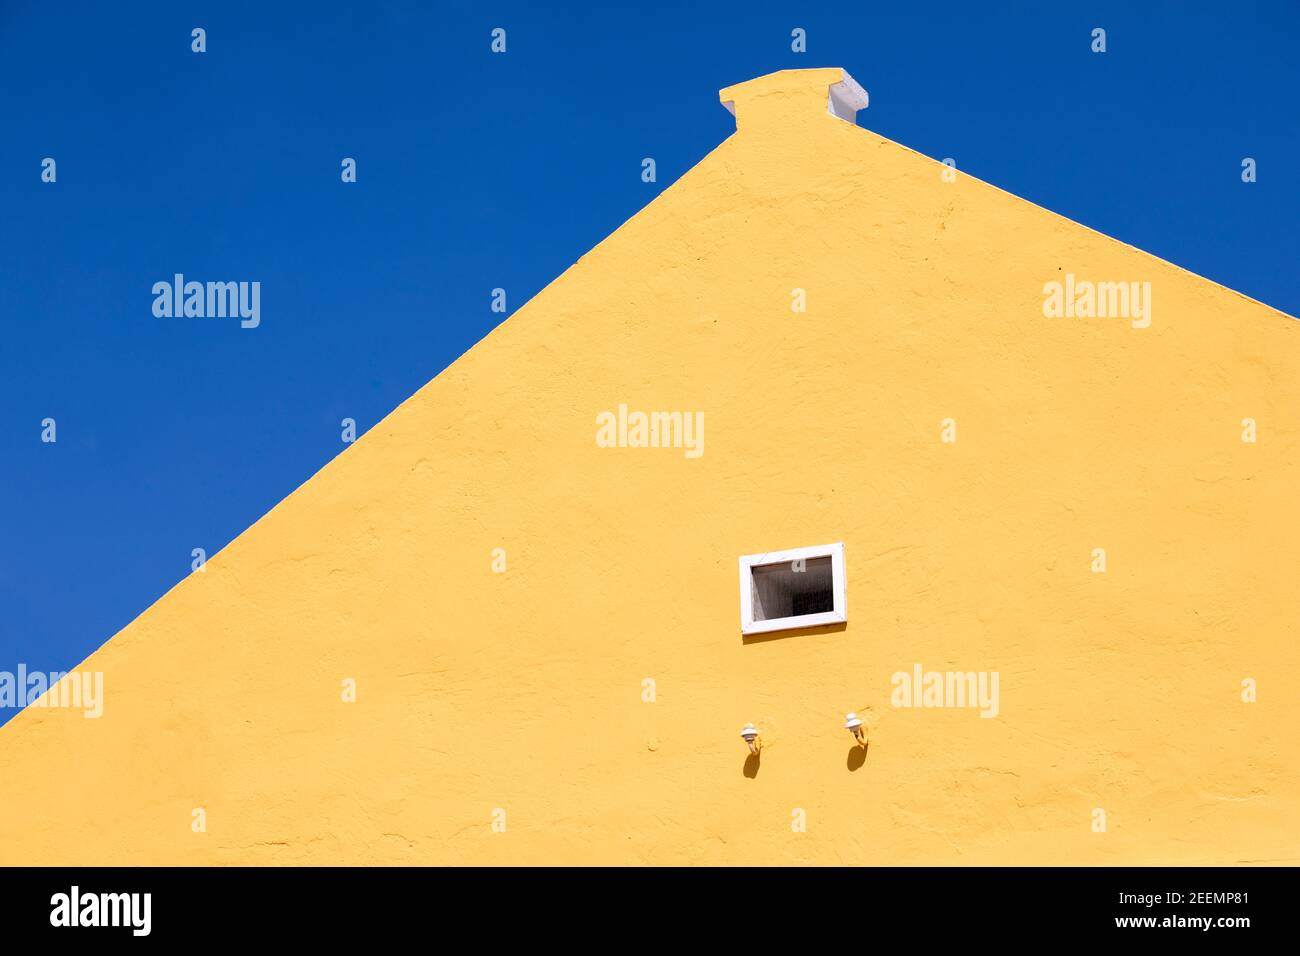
column 504, row 716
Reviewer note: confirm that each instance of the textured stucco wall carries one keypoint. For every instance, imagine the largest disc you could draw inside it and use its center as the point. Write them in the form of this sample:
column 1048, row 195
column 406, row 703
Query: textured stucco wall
column 523, row 690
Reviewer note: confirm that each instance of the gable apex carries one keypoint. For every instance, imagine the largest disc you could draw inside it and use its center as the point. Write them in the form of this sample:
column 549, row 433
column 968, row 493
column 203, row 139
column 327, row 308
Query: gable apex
column 794, row 94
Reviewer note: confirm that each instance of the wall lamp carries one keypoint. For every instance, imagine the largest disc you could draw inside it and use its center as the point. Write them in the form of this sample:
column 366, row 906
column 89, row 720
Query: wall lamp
column 854, row 726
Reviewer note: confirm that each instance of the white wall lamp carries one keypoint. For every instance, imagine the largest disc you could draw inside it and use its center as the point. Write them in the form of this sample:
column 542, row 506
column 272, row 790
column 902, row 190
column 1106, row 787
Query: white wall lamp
column 854, row 726
column 751, row 738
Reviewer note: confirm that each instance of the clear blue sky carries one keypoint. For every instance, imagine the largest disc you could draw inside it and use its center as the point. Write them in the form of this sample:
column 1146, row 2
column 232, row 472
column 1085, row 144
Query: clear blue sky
column 475, row 171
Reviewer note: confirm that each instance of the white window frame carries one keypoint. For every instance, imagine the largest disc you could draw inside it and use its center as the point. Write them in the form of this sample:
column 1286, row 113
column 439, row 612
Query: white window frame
column 839, row 613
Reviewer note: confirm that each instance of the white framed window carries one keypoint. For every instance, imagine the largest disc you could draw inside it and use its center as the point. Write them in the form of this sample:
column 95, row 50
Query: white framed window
column 800, row 587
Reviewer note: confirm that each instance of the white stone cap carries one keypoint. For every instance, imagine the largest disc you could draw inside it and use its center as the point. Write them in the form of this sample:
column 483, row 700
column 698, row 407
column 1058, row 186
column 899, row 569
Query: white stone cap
column 847, row 97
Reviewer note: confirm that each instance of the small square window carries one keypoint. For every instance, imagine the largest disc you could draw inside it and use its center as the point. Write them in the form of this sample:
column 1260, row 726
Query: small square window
column 802, row 587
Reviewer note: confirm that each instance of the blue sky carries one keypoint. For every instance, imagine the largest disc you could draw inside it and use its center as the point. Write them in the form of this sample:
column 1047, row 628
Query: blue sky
column 477, row 171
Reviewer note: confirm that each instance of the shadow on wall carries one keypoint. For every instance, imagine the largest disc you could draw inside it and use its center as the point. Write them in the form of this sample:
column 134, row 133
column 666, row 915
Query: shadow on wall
column 793, row 632
column 856, row 761
column 857, row 757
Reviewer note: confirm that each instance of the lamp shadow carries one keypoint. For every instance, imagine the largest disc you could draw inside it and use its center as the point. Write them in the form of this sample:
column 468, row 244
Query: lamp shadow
column 748, row 639
column 857, row 757
column 751, row 766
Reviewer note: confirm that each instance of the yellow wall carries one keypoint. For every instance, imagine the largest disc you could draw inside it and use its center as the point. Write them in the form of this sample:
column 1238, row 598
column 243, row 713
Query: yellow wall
column 523, row 690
